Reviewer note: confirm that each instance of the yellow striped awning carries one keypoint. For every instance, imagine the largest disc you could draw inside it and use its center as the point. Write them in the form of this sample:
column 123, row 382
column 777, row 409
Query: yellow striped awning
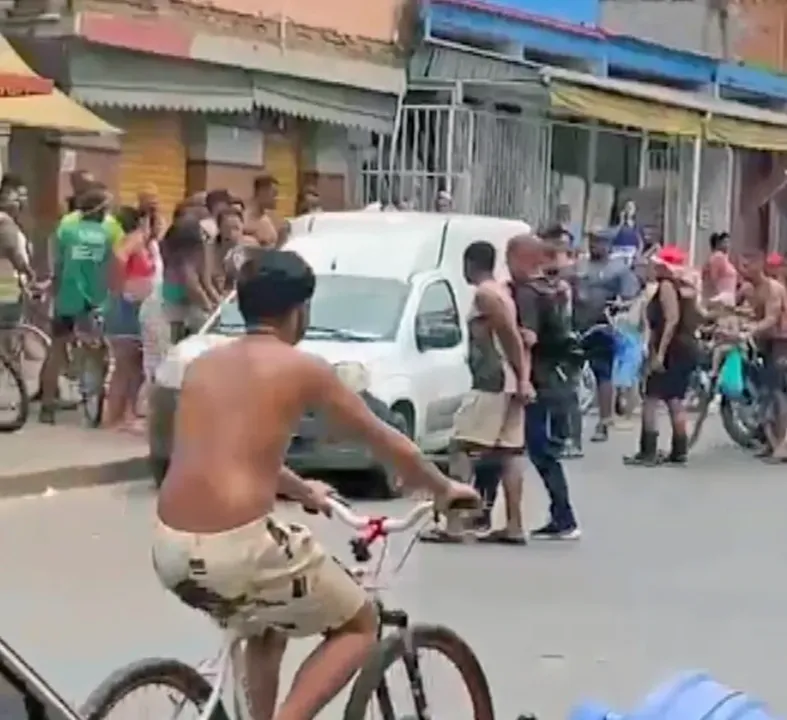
column 55, row 111
column 619, row 109
column 747, row 134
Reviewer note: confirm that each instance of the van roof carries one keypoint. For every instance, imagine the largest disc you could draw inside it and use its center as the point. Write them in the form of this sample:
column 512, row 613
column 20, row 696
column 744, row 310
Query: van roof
column 391, row 244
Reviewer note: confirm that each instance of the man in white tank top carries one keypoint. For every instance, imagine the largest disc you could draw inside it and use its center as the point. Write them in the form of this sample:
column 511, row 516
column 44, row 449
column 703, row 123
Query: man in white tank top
column 489, row 425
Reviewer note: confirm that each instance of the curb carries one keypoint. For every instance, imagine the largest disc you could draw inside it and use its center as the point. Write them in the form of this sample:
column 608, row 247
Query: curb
column 77, row 476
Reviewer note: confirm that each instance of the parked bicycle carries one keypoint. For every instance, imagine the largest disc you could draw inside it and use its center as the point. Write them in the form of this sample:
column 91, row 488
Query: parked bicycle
column 89, row 366
column 23, row 348
column 89, row 362
column 399, row 642
column 14, row 400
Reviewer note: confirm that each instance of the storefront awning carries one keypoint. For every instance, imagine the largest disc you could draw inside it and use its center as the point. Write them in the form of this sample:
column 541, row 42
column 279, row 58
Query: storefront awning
column 55, row 111
column 325, row 102
column 666, row 110
column 143, row 82
column 618, row 109
column 16, row 77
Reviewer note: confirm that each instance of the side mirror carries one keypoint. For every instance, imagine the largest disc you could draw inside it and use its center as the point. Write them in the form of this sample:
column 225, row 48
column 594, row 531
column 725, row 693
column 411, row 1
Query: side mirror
column 438, row 337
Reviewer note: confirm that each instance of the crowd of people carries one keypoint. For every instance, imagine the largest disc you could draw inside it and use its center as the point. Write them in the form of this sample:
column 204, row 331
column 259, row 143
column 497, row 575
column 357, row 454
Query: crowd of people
column 634, row 316
column 152, row 281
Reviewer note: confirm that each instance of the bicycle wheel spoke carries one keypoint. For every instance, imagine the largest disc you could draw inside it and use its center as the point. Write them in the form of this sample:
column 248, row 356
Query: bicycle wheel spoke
column 444, row 691
column 155, row 701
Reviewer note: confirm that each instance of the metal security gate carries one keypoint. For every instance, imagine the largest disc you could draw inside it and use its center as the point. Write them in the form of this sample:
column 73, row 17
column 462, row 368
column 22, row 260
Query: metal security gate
column 492, row 163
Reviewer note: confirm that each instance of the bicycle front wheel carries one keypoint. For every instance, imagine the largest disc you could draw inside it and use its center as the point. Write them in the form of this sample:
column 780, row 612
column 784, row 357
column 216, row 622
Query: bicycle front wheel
column 370, row 696
column 183, row 686
column 14, row 400
column 95, row 366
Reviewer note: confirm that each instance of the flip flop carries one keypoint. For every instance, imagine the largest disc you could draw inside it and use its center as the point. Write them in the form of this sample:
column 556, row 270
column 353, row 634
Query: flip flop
column 771, row 460
column 501, row 537
column 438, row 536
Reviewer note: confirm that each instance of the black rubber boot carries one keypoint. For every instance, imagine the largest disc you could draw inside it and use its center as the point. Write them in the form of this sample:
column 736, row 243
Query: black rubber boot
column 680, row 450
column 647, row 455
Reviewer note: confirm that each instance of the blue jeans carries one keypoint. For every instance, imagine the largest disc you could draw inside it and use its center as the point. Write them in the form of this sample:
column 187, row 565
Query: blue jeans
column 544, row 452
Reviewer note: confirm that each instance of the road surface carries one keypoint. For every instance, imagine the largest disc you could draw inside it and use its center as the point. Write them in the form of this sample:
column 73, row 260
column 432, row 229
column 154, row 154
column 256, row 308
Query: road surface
column 678, row 568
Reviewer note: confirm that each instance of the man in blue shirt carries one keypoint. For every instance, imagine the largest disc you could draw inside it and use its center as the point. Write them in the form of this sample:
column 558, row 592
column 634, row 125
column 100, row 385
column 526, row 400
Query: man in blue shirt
column 598, row 280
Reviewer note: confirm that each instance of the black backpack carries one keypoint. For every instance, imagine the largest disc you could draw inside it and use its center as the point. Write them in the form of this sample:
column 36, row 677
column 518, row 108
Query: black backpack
column 558, row 353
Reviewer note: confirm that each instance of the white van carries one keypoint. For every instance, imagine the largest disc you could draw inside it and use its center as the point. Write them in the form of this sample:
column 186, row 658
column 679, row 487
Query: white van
column 391, row 299
column 389, row 313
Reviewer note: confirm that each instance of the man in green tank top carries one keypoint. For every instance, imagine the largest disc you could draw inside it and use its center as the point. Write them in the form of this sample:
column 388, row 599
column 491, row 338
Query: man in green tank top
column 83, row 253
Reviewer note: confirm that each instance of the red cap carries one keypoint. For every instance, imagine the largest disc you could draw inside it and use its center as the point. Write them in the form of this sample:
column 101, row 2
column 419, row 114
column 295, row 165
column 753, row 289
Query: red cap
column 671, row 255
column 774, row 260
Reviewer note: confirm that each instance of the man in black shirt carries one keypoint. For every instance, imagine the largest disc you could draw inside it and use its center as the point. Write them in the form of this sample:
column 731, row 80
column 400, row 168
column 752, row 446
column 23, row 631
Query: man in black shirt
column 539, row 317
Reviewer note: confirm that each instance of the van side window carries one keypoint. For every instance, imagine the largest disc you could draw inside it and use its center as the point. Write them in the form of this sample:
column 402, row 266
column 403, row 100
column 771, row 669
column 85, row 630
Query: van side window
column 437, row 309
column 18, row 703
column 23, row 696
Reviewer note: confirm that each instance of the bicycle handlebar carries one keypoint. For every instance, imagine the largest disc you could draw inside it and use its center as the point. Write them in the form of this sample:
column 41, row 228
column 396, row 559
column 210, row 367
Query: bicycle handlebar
column 386, row 525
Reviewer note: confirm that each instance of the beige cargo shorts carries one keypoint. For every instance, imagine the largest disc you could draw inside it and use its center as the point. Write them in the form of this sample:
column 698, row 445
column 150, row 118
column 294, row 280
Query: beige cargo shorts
column 490, row 420
column 267, row 574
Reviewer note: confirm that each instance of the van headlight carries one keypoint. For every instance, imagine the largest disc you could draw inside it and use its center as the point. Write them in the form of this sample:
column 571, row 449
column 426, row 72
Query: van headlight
column 354, row 375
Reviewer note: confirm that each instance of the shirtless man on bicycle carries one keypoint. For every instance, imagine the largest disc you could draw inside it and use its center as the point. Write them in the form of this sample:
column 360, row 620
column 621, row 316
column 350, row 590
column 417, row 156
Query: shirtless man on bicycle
column 216, row 544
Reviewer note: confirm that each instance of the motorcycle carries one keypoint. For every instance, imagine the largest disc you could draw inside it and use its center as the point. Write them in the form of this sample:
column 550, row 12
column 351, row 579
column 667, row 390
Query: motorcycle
column 743, row 417
column 742, row 414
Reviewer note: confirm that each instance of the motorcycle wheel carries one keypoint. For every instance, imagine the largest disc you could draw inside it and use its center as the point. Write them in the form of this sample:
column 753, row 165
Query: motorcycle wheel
column 740, row 432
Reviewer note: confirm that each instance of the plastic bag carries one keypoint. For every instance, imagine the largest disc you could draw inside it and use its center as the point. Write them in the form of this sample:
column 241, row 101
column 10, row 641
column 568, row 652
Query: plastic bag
column 731, row 381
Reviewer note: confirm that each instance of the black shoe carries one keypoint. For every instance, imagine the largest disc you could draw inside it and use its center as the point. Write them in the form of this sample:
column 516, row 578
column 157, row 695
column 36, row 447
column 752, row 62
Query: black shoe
column 482, row 522
column 553, row 531
column 46, row 415
column 601, row 433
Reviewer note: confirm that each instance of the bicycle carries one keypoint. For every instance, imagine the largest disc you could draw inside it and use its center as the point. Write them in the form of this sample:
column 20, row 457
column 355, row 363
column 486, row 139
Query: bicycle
column 588, row 387
column 21, row 408
column 27, row 343
column 89, row 362
column 203, row 686
column 88, row 369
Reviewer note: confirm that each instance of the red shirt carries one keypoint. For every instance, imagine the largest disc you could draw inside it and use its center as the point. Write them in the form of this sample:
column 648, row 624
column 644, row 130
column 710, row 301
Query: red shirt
column 140, row 265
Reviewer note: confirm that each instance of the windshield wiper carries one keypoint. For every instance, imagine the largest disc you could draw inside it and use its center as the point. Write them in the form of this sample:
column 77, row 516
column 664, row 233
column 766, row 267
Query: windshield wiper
column 341, row 333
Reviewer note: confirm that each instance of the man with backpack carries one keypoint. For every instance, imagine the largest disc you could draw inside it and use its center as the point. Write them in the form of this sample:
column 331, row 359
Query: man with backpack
column 554, row 356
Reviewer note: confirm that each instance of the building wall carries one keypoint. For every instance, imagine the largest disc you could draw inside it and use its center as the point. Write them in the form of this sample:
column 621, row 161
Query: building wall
column 327, row 164
column 764, row 39
column 376, row 20
column 678, row 24
column 223, row 155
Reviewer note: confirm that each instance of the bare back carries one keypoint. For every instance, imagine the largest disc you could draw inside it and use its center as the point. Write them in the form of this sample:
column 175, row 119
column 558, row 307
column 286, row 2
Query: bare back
column 238, row 408
column 771, row 291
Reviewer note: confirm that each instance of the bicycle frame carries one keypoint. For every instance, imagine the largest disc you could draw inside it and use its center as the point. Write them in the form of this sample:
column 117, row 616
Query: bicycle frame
column 231, row 656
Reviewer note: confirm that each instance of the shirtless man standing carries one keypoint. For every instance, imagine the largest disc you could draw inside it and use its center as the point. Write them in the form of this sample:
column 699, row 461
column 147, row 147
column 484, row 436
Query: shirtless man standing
column 769, row 298
column 260, row 223
column 489, row 427
column 218, row 547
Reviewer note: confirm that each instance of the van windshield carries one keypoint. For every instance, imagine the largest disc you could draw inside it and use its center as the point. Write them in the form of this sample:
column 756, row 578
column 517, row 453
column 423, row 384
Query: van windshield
column 344, row 307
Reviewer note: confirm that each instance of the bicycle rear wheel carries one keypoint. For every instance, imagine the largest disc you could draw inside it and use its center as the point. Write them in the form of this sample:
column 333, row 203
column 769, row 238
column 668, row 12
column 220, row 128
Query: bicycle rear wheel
column 14, row 400
column 172, row 675
column 370, row 687
column 30, row 350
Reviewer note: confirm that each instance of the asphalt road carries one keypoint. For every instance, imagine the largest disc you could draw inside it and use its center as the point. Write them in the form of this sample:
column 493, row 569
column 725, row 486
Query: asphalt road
column 677, row 569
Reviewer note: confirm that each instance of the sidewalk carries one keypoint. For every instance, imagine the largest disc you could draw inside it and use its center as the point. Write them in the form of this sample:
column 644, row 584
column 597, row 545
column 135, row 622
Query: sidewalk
column 40, row 457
